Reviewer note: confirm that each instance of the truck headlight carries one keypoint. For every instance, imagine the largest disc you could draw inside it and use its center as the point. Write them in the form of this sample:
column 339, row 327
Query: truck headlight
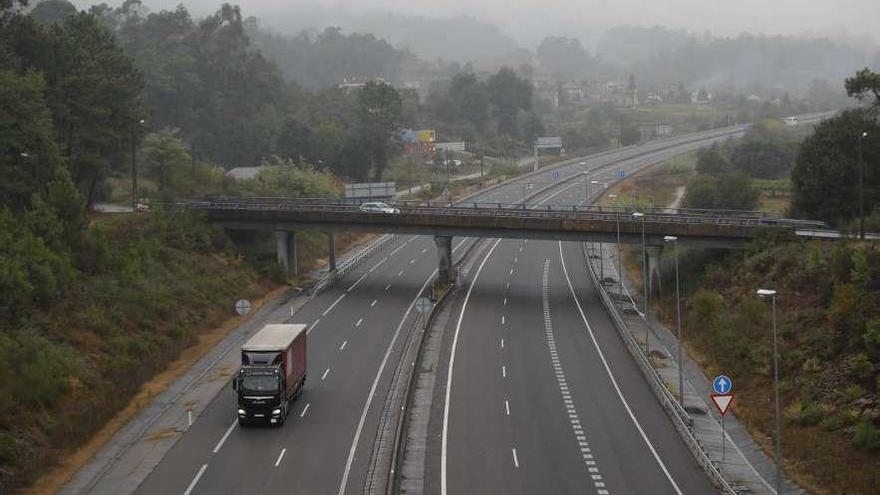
column 276, row 412
column 241, row 412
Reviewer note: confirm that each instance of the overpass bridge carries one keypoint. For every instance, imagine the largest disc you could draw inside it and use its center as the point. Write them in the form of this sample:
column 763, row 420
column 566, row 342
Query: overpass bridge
column 698, row 228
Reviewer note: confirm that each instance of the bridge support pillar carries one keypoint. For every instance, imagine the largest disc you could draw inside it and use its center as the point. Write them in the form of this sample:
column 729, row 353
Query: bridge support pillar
column 654, row 253
column 444, row 256
column 285, row 251
column 331, row 246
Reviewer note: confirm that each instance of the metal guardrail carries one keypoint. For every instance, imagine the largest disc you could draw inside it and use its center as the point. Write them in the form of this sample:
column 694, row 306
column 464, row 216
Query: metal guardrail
column 350, row 263
column 681, row 420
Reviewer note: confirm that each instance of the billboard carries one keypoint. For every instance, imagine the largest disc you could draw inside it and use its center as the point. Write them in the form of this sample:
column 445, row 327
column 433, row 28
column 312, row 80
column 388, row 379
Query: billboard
column 456, row 146
column 370, row 190
column 549, row 142
column 427, row 136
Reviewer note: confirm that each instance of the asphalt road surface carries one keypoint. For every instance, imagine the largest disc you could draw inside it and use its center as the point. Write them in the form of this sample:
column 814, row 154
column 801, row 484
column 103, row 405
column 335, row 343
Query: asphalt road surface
column 354, row 346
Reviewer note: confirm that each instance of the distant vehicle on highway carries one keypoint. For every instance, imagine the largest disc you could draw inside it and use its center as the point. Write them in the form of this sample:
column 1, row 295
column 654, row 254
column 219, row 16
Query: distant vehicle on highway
column 141, row 207
column 272, row 374
column 378, row 207
column 791, row 120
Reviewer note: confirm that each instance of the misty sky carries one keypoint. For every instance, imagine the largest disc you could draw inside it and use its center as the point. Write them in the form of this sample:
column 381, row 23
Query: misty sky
column 530, row 20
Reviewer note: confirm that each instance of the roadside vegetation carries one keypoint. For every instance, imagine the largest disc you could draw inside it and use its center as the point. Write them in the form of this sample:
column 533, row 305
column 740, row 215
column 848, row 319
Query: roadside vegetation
column 828, row 307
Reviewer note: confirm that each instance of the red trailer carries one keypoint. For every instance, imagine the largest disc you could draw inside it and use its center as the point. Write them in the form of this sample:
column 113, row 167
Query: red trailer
column 272, row 374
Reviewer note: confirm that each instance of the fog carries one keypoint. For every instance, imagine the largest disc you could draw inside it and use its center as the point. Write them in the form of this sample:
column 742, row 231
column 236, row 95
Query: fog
column 528, row 21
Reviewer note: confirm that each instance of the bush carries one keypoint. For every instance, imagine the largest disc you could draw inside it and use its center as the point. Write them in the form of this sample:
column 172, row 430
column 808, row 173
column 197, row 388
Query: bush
column 862, row 366
column 803, row 414
column 866, row 436
column 7, row 449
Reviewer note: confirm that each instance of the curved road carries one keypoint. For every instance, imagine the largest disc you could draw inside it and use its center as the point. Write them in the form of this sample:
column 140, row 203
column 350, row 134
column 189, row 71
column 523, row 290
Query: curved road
column 355, row 344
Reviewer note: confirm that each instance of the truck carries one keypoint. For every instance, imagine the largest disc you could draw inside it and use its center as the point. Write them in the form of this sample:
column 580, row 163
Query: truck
column 272, row 374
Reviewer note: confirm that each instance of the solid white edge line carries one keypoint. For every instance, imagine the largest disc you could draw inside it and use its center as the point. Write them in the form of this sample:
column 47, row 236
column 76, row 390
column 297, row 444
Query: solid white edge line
column 613, row 380
column 357, row 282
column 445, row 438
column 333, row 305
column 280, row 456
column 192, row 484
column 225, row 436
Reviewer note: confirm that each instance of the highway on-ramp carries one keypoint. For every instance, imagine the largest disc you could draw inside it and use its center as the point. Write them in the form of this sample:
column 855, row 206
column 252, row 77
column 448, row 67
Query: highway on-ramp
column 355, row 343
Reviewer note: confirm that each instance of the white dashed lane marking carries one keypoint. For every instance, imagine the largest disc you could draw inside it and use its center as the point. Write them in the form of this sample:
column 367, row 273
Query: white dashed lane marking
column 305, row 410
column 373, row 303
column 359, row 322
column 573, row 418
column 343, row 345
column 325, row 374
column 280, row 456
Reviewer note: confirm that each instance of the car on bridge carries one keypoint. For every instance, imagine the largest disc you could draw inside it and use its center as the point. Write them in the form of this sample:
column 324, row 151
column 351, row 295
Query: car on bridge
column 378, row 207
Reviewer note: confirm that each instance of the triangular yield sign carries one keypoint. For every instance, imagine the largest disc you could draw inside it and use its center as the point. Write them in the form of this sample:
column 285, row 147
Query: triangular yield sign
column 722, row 402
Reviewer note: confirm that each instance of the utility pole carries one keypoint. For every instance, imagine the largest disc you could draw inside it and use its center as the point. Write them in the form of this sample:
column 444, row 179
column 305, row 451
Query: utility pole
column 862, row 136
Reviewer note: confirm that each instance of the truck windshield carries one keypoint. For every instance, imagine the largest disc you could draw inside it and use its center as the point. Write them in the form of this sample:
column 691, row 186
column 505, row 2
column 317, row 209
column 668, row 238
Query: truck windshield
column 259, row 384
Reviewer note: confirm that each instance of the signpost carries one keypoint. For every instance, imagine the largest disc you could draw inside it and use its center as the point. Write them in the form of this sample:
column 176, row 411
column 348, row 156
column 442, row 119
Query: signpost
column 722, row 398
column 621, row 174
column 242, row 307
column 546, row 142
column 555, row 175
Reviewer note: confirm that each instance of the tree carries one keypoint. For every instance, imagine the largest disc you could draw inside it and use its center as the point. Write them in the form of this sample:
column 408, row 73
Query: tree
column 728, row 191
column 865, row 84
column 565, row 57
column 825, row 174
column 294, row 140
column 629, row 134
column 710, row 161
column 379, row 111
column 162, row 152
column 470, row 99
column 509, row 94
column 49, row 11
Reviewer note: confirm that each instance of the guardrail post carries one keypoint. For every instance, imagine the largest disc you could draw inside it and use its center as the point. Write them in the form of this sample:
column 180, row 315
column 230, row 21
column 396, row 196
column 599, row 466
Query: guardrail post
column 285, row 251
column 444, row 257
column 331, row 247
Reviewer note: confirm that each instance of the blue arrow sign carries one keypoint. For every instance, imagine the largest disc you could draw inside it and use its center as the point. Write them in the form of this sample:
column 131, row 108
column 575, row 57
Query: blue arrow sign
column 556, row 175
column 722, row 384
column 621, row 174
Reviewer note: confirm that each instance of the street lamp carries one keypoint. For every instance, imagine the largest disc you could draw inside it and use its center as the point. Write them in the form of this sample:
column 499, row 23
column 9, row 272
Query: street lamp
column 674, row 241
column 772, row 295
column 617, row 251
column 862, row 136
column 134, row 175
column 645, row 278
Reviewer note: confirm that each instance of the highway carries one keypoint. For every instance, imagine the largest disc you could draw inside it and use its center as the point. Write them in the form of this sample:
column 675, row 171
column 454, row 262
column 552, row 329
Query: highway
column 550, row 375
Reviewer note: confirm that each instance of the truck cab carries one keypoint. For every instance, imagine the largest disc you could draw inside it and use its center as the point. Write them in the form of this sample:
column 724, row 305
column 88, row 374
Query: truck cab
column 272, row 374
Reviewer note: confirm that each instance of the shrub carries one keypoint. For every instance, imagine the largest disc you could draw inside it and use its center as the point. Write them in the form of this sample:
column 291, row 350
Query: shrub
column 862, row 366
column 7, row 449
column 866, row 436
column 803, row 414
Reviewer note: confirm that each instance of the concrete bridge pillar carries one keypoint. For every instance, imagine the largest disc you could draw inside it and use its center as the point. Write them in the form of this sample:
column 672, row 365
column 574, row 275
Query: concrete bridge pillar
column 444, row 255
column 331, row 246
column 654, row 253
column 285, row 251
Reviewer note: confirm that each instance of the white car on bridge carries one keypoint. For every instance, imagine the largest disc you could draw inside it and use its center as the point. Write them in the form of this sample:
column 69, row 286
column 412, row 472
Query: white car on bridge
column 378, row 207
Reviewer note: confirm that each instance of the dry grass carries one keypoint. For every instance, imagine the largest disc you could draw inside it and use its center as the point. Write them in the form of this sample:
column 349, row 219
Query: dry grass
column 75, row 459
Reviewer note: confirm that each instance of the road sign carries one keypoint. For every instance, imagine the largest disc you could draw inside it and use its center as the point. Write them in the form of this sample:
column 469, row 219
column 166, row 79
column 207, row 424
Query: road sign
column 722, row 384
column 555, row 175
column 722, row 402
column 531, row 185
column 423, row 305
column 621, row 174
column 242, row 307
column 548, row 142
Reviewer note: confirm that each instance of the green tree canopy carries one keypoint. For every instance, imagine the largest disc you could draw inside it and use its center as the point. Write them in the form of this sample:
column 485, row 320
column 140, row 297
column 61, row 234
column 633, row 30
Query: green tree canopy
column 379, row 109
column 164, row 151
column 509, row 94
column 825, row 177
column 865, row 84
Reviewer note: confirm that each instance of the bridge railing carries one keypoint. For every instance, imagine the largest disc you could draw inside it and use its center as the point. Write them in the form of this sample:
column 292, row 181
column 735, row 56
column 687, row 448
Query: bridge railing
column 495, row 210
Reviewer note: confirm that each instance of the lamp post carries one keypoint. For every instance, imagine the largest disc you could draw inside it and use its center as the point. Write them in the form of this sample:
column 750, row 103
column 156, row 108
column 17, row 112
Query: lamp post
column 617, row 252
column 134, row 175
column 772, row 295
column 641, row 216
column 862, row 136
column 674, row 241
